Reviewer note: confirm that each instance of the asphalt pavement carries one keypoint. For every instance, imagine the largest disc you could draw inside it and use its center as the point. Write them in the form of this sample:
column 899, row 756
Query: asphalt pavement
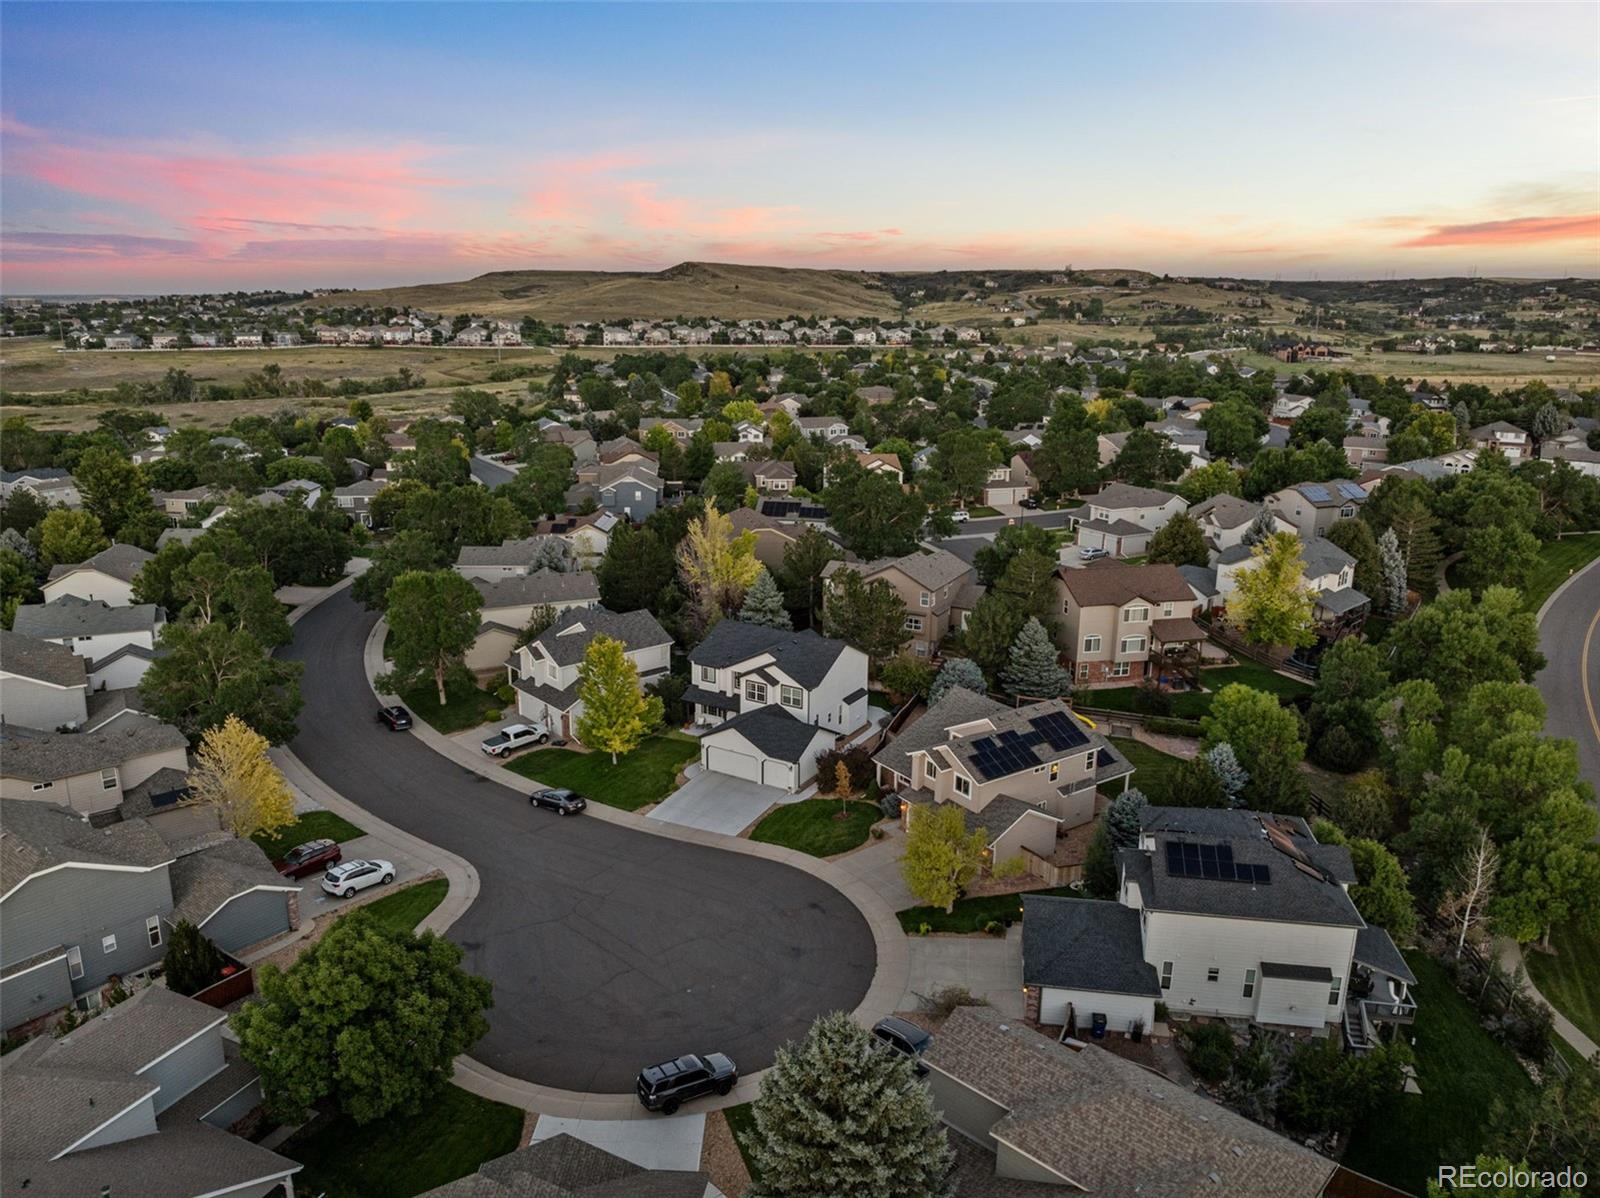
column 1569, row 638
column 609, row 948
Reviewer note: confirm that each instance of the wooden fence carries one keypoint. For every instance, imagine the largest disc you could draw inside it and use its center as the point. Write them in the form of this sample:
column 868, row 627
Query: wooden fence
column 230, row 989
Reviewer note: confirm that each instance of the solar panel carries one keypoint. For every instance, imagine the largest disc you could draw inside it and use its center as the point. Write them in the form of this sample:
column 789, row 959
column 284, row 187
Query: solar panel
column 1060, row 731
column 1316, row 492
column 1214, row 862
column 1352, row 491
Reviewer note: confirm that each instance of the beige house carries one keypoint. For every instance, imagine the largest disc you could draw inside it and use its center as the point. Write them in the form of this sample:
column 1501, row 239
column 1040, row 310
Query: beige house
column 773, row 536
column 107, row 576
column 1507, row 438
column 87, row 772
column 939, row 591
column 544, row 672
column 1225, row 519
column 1313, row 508
column 1366, row 449
column 508, row 606
column 1115, row 618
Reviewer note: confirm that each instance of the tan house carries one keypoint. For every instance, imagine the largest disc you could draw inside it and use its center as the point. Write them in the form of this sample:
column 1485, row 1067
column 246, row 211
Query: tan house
column 1115, row 618
column 773, row 535
column 508, row 606
column 1366, row 449
column 777, row 478
column 939, row 591
column 107, row 576
column 87, row 772
column 1507, row 438
column 1313, row 508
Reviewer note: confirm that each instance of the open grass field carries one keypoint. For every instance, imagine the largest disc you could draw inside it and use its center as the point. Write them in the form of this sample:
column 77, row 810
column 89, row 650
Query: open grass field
column 1557, row 560
column 689, row 289
column 403, row 910
column 1460, row 1071
column 313, row 825
column 813, row 826
column 399, row 1156
column 1499, row 371
column 643, row 776
column 1570, row 977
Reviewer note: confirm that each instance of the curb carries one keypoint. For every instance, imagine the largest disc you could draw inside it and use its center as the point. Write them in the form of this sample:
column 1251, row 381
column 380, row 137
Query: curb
column 1562, row 590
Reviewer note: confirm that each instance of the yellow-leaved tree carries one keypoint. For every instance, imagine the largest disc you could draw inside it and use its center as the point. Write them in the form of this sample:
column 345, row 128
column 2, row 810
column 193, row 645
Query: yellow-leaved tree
column 941, row 856
column 616, row 715
column 233, row 773
column 717, row 565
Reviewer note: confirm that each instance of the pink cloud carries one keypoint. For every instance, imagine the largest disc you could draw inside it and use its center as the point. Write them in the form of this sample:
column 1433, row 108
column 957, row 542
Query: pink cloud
column 1520, row 230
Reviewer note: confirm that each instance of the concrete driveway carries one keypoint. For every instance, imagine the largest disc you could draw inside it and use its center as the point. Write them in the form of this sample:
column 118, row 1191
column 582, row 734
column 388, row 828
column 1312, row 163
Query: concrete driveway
column 657, row 1142
column 717, row 803
column 988, row 966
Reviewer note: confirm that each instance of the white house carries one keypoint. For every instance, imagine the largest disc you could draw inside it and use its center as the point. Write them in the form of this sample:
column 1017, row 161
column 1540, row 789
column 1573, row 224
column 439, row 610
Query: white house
column 107, row 576
column 767, row 745
column 1506, row 437
column 544, row 672
column 1224, row 519
column 123, row 637
column 1121, row 519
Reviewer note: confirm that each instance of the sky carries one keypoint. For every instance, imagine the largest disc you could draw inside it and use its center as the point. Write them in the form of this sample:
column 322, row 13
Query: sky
column 192, row 147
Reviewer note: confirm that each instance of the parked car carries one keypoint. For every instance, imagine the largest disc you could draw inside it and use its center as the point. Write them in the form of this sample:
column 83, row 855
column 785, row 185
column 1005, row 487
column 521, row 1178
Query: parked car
column 344, row 880
column 960, row 515
column 397, row 718
column 1092, row 553
column 314, row 856
column 1029, row 502
column 560, row 800
column 664, row 1087
column 515, row 736
column 902, row 1036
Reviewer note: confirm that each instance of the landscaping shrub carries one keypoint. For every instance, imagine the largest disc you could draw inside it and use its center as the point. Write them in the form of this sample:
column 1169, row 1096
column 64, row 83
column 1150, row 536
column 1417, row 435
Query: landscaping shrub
column 889, row 803
column 1173, row 727
column 995, row 928
column 506, row 693
column 192, row 962
column 947, row 998
column 1211, row 1051
column 1149, row 698
column 492, row 715
column 670, row 691
column 1011, row 867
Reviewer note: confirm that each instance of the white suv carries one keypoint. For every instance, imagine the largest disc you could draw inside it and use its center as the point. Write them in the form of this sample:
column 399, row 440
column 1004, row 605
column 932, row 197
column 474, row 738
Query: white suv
column 515, row 736
column 344, row 880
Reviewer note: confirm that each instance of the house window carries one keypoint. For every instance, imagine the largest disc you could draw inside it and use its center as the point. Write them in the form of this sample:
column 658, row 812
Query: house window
column 152, row 929
column 921, row 648
column 1135, row 615
column 1213, row 974
column 790, row 696
column 926, row 600
column 1121, row 669
column 1091, row 644
column 1055, row 770
column 74, row 962
column 914, row 623
column 1166, row 975
column 108, row 944
column 708, row 674
column 1347, row 512
column 963, row 785
column 108, row 778
column 1083, row 671
column 1249, row 983
column 1333, row 992
column 1133, row 644
column 1166, row 610
column 43, row 785
column 756, row 692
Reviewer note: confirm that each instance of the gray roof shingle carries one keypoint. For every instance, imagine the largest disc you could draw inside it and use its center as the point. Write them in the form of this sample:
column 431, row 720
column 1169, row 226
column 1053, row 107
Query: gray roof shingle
column 39, row 836
column 203, row 881
column 772, row 730
column 931, row 571
column 119, row 561
column 803, row 656
column 71, row 616
column 43, row 661
column 956, row 707
column 50, row 756
column 542, row 586
column 566, row 639
column 564, row 1166
column 1084, row 944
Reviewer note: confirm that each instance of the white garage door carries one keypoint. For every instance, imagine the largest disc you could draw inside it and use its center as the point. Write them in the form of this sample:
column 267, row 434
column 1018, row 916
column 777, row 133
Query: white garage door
column 735, row 765
column 777, row 773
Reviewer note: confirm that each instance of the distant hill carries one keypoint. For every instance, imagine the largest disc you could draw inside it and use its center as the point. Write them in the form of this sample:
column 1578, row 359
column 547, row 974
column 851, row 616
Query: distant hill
column 689, row 289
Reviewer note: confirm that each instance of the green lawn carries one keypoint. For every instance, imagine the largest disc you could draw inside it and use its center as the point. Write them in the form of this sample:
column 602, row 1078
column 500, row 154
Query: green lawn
column 1460, row 1071
column 970, row 914
column 879, row 700
column 742, row 1122
column 643, row 776
column 1557, row 559
column 1153, row 767
column 1570, row 978
column 465, row 707
column 397, row 1157
column 812, row 826
column 405, row 909
column 313, row 825
column 1192, row 705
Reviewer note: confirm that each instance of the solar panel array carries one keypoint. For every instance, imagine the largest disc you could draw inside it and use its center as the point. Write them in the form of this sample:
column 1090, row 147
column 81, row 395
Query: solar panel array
column 1061, row 731
column 1012, row 750
column 1351, row 490
column 1187, row 859
column 1315, row 492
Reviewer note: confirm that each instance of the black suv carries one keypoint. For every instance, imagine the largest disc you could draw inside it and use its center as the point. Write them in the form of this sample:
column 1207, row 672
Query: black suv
column 904, row 1037
column 397, row 718
column 560, row 800
column 664, row 1087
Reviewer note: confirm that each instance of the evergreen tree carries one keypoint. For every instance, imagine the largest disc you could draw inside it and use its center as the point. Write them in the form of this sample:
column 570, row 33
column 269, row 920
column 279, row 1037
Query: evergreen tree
column 1123, row 817
column 1392, row 564
column 192, row 962
column 763, row 604
column 957, row 671
column 837, row 1115
column 1034, row 669
column 1262, row 527
column 1230, row 775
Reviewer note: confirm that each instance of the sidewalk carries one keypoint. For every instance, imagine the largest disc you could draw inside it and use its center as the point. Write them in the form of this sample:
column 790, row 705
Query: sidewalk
column 1509, row 953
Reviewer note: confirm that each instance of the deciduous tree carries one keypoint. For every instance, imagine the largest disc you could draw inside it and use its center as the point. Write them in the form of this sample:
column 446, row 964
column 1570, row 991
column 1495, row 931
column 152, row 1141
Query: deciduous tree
column 1271, row 603
column 210, row 671
column 233, row 774
column 617, row 715
column 941, row 856
column 1179, row 542
column 65, row 537
column 717, row 565
column 870, row 616
column 433, row 621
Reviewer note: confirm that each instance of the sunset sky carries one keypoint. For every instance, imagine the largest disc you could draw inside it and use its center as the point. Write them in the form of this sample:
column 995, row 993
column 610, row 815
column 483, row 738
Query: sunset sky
column 197, row 147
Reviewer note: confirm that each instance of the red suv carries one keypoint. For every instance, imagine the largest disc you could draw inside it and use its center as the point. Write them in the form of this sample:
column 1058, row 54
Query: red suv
column 312, row 857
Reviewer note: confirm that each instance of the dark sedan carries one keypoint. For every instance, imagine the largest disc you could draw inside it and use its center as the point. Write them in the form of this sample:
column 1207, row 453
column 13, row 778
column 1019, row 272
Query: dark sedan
column 397, row 718
column 312, row 857
column 561, row 801
column 904, row 1037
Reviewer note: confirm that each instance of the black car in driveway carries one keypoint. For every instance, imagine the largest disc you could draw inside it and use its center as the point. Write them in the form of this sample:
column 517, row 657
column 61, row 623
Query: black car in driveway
column 397, row 718
column 664, row 1087
column 559, row 800
column 904, row 1037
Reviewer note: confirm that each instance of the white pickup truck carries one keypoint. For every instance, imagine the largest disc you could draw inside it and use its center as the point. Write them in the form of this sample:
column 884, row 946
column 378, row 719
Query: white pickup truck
column 515, row 736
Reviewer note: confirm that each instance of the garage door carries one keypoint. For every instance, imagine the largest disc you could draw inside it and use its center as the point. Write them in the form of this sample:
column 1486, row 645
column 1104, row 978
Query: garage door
column 735, row 765
column 777, row 773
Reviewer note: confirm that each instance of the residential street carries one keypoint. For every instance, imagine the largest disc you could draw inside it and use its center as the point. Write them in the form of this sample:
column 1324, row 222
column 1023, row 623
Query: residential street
column 609, row 948
column 1569, row 637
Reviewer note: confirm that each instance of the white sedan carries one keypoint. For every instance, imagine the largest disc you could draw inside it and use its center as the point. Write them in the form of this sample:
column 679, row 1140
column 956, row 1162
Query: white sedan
column 345, row 879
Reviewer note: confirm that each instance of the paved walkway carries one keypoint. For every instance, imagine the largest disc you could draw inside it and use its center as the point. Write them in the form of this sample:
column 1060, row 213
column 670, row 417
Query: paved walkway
column 876, row 865
column 1509, row 953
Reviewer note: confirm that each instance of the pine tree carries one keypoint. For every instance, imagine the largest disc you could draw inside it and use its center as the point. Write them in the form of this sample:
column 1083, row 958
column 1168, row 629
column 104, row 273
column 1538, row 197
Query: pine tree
column 192, row 962
column 836, row 1115
column 1123, row 817
column 957, row 671
column 617, row 715
column 1230, row 775
column 1262, row 527
column 1034, row 669
column 1392, row 564
column 763, row 604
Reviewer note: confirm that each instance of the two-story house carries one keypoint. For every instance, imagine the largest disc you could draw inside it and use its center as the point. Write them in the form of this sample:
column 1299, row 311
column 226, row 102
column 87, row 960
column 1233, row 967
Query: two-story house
column 107, row 576
column 544, row 672
column 1027, row 775
column 1327, row 572
column 1225, row 519
column 771, row 477
column 681, row 427
column 356, row 499
column 939, row 591
column 1507, row 438
column 53, row 484
column 630, row 489
column 1313, row 508
column 1002, row 488
column 42, row 684
column 1237, row 915
column 139, row 1100
column 509, row 604
column 510, row 559
column 1118, row 622
column 87, row 772
column 1121, row 519
column 1362, row 450
column 829, row 428
column 589, row 536
column 119, row 642
column 81, row 904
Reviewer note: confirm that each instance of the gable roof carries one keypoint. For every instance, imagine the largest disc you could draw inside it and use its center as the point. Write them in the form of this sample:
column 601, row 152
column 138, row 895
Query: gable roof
column 804, row 656
column 72, row 616
column 772, row 730
column 958, row 705
column 38, row 836
column 42, row 661
column 203, row 881
column 931, row 571
column 542, row 586
column 119, row 561
column 521, row 552
column 1121, row 495
column 1113, row 585
column 635, row 629
column 1064, row 1108
column 1226, row 511
column 39, row 756
column 1084, row 944
column 564, row 1166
